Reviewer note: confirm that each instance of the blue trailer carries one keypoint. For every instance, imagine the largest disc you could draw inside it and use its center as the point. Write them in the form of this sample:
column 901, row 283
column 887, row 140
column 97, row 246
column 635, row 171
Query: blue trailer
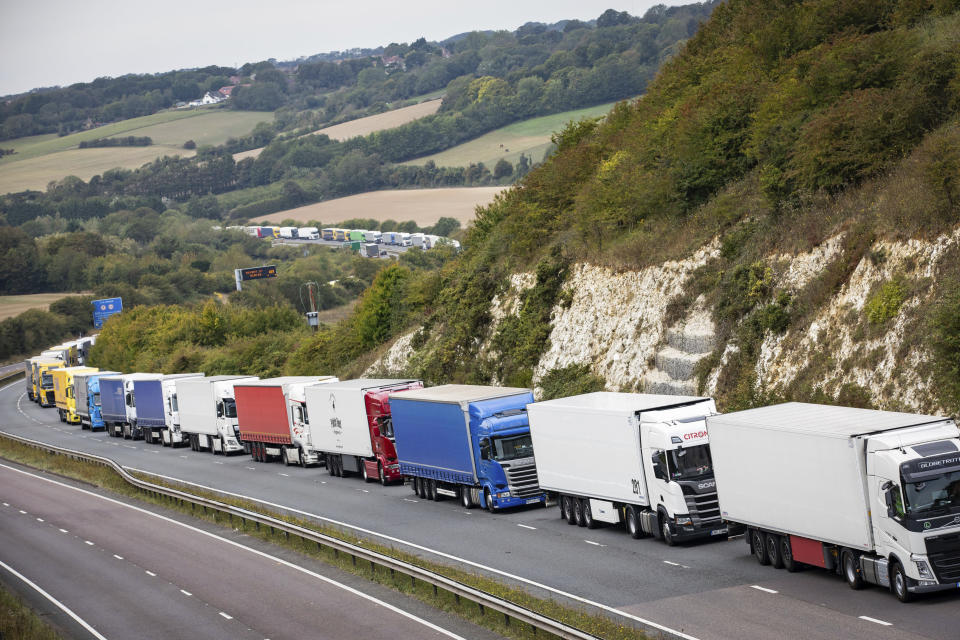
column 469, row 442
column 113, row 406
column 156, row 404
column 87, row 391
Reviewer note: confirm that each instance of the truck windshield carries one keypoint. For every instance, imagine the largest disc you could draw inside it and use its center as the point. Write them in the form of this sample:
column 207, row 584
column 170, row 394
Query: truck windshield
column 229, row 408
column 46, row 381
column 934, row 496
column 512, row 448
column 96, row 399
column 386, row 426
column 690, row 462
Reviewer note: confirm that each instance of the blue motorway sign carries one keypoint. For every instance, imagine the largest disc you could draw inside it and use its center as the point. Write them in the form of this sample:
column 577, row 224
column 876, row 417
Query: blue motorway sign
column 103, row 309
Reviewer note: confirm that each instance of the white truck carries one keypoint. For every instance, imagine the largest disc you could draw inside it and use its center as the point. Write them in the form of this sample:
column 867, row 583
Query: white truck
column 351, row 428
column 208, row 414
column 308, row 233
column 871, row 495
column 373, row 236
column 641, row 459
column 418, row 240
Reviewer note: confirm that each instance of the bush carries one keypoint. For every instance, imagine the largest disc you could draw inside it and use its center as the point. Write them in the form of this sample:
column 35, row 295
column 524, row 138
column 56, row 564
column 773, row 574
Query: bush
column 570, row 381
column 885, row 303
column 944, row 342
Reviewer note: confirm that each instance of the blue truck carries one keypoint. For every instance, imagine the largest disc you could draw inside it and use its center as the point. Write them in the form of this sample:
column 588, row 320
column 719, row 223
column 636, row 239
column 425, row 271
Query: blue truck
column 156, row 405
column 113, row 406
column 468, row 442
column 87, row 391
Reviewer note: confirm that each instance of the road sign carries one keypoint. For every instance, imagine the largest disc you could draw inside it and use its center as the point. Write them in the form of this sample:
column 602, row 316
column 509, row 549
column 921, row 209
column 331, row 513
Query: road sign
column 254, row 273
column 103, row 309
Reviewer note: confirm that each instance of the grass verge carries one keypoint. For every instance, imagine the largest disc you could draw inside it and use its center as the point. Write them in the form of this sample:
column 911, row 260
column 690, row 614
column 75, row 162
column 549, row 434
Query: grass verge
column 17, row 620
column 106, row 478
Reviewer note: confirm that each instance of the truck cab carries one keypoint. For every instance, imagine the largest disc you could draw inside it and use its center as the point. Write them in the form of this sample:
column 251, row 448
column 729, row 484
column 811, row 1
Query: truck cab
column 506, row 469
column 65, row 393
column 228, row 427
column 913, row 478
column 87, row 388
column 44, row 381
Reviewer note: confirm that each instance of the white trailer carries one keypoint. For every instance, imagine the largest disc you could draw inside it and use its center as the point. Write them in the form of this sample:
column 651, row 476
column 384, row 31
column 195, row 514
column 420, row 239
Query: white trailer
column 405, row 240
column 872, row 495
column 418, row 240
column 289, row 232
column 372, row 236
column 208, row 414
column 308, row 233
column 636, row 458
column 350, row 426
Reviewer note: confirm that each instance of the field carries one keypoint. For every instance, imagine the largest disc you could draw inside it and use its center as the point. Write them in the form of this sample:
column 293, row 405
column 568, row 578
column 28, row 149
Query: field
column 530, row 137
column 40, row 159
column 14, row 305
column 423, row 206
column 364, row 126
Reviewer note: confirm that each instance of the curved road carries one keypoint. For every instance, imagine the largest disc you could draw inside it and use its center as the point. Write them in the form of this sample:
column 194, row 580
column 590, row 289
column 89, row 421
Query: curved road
column 123, row 571
column 706, row 590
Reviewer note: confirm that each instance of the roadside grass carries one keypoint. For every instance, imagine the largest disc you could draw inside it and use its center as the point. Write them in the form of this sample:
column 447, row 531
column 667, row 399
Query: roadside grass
column 14, row 305
column 104, row 477
column 530, row 137
column 17, row 620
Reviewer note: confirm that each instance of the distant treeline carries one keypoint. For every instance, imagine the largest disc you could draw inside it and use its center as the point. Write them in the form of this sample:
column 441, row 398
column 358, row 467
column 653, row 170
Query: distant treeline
column 128, row 141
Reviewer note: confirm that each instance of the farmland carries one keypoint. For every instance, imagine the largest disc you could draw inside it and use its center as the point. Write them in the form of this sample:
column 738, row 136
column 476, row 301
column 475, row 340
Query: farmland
column 367, row 125
column 40, row 159
column 530, row 137
column 423, row 206
column 14, row 305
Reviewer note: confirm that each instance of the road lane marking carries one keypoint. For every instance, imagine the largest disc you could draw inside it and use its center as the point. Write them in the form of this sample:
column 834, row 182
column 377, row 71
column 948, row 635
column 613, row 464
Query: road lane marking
column 88, row 542
column 436, row 552
column 118, row 557
column 410, row 500
column 228, row 617
column 256, row 552
column 526, row 526
column 150, row 573
column 764, row 589
column 186, row 593
column 596, row 544
column 672, row 564
column 6, row 504
column 869, row 619
column 61, row 606
column 252, row 468
column 285, row 475
column 64, row 531
column 23, row 512
column 39, row 519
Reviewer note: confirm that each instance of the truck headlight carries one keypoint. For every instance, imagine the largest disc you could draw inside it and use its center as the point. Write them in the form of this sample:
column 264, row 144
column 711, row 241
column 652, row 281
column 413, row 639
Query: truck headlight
column 924, row 570
column 684, row 520
column 503, row 494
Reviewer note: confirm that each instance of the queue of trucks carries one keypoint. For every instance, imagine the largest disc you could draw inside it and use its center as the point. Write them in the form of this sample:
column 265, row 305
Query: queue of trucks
column 873, row 496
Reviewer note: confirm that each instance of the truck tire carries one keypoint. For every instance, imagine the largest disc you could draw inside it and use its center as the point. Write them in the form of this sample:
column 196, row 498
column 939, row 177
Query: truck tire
column 757, row 548
column 300, row 455
column 588, row 520
column 571, row 510
column 564, row 503
column 422, row 491
column 434, row 494
column 899, row 582
column 381, row 474
column 578, row 512
column 329, row 462
column 633, row 523
column 849, row 563
column 363, row 471
column 773, row 550
column 465, row 499
column 665, row 531
column 488, row 501
column 286, row 456
column 786, row 555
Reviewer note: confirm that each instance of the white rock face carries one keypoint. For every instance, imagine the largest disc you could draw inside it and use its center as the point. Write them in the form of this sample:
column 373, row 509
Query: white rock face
column 395, row 361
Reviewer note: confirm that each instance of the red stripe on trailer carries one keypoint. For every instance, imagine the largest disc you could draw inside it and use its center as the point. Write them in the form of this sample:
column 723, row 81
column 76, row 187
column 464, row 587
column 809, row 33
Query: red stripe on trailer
column 807, row 551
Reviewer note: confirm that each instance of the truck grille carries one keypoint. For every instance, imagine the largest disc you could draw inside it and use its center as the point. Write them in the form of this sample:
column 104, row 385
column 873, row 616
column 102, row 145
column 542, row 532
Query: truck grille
column 944, row 554
column 703, row 507
column 522, row 480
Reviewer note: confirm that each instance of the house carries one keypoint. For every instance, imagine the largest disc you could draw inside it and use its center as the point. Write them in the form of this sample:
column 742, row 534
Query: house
column 210, row 97
column 393, row 61
column 226, row 91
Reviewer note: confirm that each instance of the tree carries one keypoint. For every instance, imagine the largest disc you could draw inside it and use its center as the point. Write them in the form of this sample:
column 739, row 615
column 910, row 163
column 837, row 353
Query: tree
column 503, row 169
column 445, row 226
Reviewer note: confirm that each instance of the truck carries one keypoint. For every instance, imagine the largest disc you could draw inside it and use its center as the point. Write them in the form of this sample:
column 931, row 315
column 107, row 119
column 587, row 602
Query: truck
column 208, row 414
column 289, row 232
column 370, row 250
column 418, row 240
column 87, row 389
column 265, row 232
column 871, row 495
column 272, row 417
column 469, row 442
column 327, row 234
column 118, row 403
column 308, row 233
column 43, row 377
column 373, row 236
column 351, row 427
column 357, row 235
column 341, row 235
column 64, row 393
column 430, row 241
column 156, row 405
column 633, row 458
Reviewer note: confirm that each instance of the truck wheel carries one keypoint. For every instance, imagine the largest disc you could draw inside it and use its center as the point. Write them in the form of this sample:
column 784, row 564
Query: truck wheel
column 588, row 520
column 633, row 523
column 363, row 470
column 898, row 583
column 666, row 532
column 381, row 474
column 773, row 550
column 330, row 469
column 571, row 510
column 434, row 494
column 757, row 547
column 564, row 503
column 286, row 457
column 786, row 555
column 465, row 498
column 422, row 492
column 851, row 570
column 488, row 500
column 300, row 455
column 578, row 512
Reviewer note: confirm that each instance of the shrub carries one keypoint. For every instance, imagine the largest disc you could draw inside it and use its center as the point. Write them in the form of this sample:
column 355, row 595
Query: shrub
column 944, row 341
column 572, row 380
column 885, row 303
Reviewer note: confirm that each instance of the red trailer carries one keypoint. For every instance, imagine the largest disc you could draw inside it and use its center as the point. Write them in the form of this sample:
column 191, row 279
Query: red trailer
column 271, row 416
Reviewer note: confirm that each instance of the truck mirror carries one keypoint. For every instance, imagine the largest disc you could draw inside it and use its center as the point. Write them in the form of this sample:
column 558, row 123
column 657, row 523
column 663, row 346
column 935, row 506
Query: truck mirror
column 888, row 498
column 485, row 449
column 219, row 409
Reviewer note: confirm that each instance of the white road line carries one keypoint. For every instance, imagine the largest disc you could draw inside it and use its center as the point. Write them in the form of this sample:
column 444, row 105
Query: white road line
column 228, row 617
column 441, row 554
column 150, row 573
column 186, row 593
column 88, row 542
column 410, row 500
column 869, row 619
column 217, row 462
column 118, row 557
column 64, row 531
column 285, row 475
column 672, row 564
column 23, row 512
column 256, row 552
column 6, row 504
column 596, row 544
column 252, row 468
column 61, row 606
column 39, row 519
column 764, row 589
column 526, row 526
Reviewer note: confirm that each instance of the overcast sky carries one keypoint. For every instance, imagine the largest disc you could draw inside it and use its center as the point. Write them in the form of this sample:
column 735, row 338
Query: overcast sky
column 59, row 42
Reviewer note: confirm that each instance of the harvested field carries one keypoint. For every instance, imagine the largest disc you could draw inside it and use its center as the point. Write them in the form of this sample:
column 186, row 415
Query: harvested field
column 15, row 305
column 423, row 206
column 364, row 126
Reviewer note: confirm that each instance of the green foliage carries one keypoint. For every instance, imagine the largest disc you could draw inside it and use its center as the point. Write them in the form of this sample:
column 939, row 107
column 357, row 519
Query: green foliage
column 944, row 342
column 885, row 303
column 571, row 380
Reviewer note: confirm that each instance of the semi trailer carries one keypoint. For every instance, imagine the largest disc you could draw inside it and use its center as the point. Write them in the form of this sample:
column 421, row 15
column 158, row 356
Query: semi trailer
column 640, row 459
column 871, row 495
column 156, row 405
column 469, row 442
column 87, row 389
column 119, row 404
column 208, row 414
column 272, row 417
column 351, row 427
column 64, row 392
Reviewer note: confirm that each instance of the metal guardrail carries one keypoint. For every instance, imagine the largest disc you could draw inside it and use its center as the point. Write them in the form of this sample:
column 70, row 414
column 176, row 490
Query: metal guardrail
column 509, row 610
column 12, row 375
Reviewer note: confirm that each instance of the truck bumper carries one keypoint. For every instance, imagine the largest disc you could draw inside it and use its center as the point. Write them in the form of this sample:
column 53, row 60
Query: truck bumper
column 506, row 503
column 691, row 532
column 923, row 586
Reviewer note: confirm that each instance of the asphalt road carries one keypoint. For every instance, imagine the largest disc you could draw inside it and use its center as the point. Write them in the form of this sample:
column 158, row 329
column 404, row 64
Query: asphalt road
column 123, row 571
column 704, row 590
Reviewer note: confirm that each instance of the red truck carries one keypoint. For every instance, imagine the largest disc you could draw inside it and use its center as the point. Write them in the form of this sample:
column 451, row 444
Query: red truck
column 272, row 417
column 351, row 426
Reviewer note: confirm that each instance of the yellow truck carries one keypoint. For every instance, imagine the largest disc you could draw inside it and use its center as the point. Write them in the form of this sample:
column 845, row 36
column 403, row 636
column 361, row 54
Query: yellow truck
column 43, row 379
column 64, row 394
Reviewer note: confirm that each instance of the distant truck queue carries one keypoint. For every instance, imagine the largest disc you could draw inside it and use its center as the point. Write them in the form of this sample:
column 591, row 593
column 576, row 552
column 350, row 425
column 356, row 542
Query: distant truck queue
column 873, row 496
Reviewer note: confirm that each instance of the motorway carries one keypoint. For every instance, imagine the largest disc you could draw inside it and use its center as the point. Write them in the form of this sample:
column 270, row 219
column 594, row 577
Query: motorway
column 115, row 570
column 700, row 590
